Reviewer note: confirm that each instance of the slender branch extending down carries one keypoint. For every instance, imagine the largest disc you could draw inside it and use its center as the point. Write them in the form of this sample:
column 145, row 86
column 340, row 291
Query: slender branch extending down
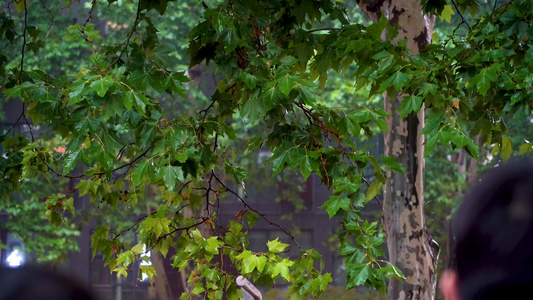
column 129, row 165
column 259, row 213
column 23, row 41
column 134, row 224
column 164, row 236
column 130, row 35
column 90, row 17
column 461, row 15
column 52, row 19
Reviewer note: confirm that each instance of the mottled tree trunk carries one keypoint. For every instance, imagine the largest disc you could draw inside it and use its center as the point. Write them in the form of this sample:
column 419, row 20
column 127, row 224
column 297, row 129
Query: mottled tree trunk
column 162, row 284
column 409, row 244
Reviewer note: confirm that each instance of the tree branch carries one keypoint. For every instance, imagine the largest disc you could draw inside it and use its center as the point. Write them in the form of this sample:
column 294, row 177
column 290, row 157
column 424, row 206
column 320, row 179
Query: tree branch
column 248, row 206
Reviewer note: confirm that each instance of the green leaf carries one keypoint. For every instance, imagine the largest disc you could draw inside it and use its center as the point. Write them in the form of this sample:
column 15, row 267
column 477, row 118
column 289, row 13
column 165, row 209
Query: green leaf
column 375, row 29
column 484, row 78
column 280, row 157
column 373, row 190
column 138, row 249
column 282, row 268
column 20, row 5
column 336, row 203
column 251, row 262
column 101, row 86
column 507, row 147
column 391, row 164
column 138, row 173
column 140, row 80
column 430, row 143
column 447, row 13
column 132, row 98
column 251, row 217
column 410, row 104
column 526, row 148
column 77, row 91
column 286, row 83
column 175, row 83
column 427, row 88
column 386, row 60
column 357, row 274
column 344, row 184
column 307, row 165
column 392, row 271
column 398, row 80
column 71, row 161
column 219, row 20
column 271, row 98
column 170, row 175
column 276, row 246
column 254, row 109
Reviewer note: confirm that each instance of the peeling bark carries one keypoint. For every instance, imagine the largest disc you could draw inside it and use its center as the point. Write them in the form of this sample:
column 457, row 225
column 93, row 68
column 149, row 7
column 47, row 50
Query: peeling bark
column 409, row 244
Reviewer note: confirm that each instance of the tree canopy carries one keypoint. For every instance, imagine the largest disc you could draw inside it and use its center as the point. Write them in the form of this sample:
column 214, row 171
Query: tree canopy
column 122, row 119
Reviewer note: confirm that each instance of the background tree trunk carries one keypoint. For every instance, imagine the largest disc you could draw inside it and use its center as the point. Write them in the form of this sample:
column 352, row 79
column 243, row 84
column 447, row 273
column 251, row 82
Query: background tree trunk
column 409, row 244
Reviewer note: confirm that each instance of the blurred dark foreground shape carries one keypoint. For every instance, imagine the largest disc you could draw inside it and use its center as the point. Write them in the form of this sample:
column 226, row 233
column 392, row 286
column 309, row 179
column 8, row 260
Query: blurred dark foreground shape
column 493, row 231
column 39, row 284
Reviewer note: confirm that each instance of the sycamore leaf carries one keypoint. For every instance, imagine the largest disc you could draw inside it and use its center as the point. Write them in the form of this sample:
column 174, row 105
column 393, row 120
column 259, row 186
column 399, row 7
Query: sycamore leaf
column 286, row 83
column 101, row 86
column 138, row 173
column 484, row 78
column 164, row 245
column 431, row 142
column 71, row 161
column 132, row 98
column 357, row 274
column 253, row 108
column 410, row 104
column 373, row 190
column 140, row 80
column 271, row 98
column 386, row 60
column 20, row 5
column 282, row 268
column 280, row 157
column 219, row 20
column 526, row 148
column 391, row 271
column 170, row 175
column 507, row 147
column 276, row 246
column 160, row 225
column 393, row 165
column 375, row 29
column 427, row 88
column 398, row 80
column 336, row 203
column 307, row 165
column 344, row 184
column 447, row 13
column 138, row 249
column 251, row 261
column 76, row 91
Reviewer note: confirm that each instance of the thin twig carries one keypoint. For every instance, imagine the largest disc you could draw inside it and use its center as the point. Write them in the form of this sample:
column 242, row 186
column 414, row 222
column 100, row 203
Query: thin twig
column 127, row 42
column 248, row 206
column 134, row 224
column 90, row 17
column 23, row 41
column 27, row 123
column 51, row 20
column 322, row 29
column 461, row 15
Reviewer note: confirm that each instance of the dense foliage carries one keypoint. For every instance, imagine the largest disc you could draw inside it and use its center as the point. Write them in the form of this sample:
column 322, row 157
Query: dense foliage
column 122, row 113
